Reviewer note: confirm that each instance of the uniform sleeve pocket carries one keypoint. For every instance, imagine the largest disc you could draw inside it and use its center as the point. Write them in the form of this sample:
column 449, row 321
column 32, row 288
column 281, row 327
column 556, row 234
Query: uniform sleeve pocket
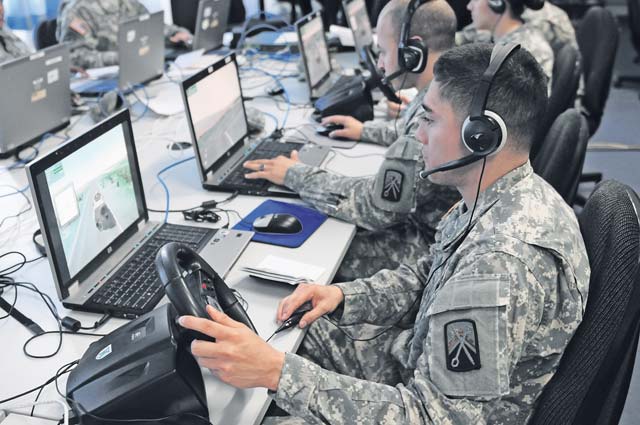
column 467, row 337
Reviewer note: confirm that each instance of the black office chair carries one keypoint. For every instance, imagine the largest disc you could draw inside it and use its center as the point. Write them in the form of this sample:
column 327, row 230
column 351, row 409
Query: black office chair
column 564, row 88
column 591, row 383
column 44, row 35
column 633, row 7
column 598, row 42
column 562, row 153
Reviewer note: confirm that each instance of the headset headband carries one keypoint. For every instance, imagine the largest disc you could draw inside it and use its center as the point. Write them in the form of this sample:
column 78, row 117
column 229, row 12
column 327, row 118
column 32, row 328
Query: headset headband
column 499, row 55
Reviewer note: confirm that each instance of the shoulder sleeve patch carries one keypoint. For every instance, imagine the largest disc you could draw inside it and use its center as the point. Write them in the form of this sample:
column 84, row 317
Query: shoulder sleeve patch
column 79, row 25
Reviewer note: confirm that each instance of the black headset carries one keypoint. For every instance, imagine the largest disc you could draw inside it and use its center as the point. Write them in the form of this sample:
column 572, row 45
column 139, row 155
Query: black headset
column 483, row 132
column 412, row 52
column 499, row 6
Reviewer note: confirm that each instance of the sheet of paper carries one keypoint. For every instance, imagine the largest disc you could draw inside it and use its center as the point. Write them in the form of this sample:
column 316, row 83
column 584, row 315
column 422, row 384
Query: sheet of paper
column 164, row 102
column 288, row 269
column 344, row 34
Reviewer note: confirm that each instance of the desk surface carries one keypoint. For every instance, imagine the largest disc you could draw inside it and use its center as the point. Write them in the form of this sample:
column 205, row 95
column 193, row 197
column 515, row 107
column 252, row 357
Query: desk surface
column 153, row 133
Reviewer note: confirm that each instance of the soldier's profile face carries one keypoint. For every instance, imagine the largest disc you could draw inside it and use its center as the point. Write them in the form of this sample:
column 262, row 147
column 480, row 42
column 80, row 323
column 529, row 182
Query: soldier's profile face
column 483, row 17
column 439, row 133
column 388, row 45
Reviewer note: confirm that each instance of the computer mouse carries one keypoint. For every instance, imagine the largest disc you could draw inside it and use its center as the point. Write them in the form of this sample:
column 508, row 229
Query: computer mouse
column 277, row 223
column 325, row 130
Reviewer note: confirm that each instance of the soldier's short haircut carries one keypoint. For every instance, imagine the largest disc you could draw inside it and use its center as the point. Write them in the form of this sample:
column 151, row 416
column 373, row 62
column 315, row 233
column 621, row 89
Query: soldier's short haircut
column 518, row 93
column 434, row 22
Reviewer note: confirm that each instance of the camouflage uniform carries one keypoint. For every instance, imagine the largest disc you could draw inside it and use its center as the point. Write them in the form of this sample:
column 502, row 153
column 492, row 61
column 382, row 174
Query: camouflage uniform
column 528, row 36
column 91, row 29
column 11, row 46
column 494, row 317
column 551, row 21
column 396, row 212
column 385, row 132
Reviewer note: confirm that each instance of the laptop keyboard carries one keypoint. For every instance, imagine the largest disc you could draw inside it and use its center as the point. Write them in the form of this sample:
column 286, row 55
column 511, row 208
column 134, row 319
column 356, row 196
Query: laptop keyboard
column 266, row 150
column 136, row 287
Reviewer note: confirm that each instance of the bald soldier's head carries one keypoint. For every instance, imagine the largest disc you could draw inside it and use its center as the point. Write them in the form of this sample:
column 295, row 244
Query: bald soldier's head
column 434, row 23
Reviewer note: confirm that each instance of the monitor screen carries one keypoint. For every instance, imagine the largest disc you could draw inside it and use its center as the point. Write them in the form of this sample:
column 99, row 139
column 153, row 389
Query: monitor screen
column 92, row 197
column 217, row 113
column 314, row 47
column 359, row 23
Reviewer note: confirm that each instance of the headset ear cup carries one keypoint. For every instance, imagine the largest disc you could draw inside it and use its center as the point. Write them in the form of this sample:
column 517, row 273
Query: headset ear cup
column 497, row 6
column 484, row 135
column 414, row 56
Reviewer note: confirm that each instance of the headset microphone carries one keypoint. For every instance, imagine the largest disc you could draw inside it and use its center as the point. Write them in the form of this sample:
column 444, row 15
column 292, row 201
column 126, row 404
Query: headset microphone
column 466, row 160
column 388, row 79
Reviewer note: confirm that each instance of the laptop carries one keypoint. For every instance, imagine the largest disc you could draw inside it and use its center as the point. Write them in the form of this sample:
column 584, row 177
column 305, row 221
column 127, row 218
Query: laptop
column 210, row 25
column 355, row 12
column 219, row 132
column 37, row 87
column 98, row 238
column 140, row 55
column 315, row 57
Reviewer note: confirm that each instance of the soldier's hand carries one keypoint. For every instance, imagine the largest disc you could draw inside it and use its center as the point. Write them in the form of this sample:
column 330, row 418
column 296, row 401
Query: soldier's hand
column 273, row 170
column 352, row 127
column 324, row 299
column 394, row 109
column 180, row 36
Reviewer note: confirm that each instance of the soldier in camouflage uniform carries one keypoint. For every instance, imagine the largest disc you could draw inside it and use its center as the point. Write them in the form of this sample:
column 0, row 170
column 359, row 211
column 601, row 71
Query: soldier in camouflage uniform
column 551, row 21
column 473, row 340
column 11, row 46
column 91, row 29
column 508, row 27
column 396, row 216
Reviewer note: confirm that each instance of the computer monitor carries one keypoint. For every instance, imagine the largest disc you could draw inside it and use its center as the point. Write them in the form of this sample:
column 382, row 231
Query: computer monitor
column 35, row 97
column 357, row 17
column 218, row 127
column 313, row 46
column 89, row 199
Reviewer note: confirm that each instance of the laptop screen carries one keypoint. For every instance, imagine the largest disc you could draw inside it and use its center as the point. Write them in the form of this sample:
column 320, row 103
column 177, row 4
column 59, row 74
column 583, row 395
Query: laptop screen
column 141, row 49
column 314, row 48
column 89, row 195
column 211, row 23
column 37, row 87
column 358, row 19
column 216, row 112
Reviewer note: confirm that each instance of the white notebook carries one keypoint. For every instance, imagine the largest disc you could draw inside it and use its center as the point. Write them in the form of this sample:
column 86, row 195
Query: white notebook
column 284, row 270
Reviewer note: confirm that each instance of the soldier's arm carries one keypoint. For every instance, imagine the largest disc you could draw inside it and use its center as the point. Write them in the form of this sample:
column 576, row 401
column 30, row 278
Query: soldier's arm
column 374, row 202
column 75, row 30
column 492, row 302
column 382, row 132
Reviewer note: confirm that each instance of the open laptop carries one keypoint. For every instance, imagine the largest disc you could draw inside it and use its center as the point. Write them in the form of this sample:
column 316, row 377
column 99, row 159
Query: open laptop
column 219, row 132
column 140, row 55
column 315, row 56
column 37, row 87
column 210, row 25
column 99, row 240
column 355, row 12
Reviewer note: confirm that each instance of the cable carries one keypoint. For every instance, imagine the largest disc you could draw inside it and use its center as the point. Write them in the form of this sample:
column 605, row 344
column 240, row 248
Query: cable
column 21, row 212
column 164, row 186
column 431, row 274
column 65, row 410
column 9, row 270
column 285, row 93
column 19, row 191
column 47, row 382
column 206, row 204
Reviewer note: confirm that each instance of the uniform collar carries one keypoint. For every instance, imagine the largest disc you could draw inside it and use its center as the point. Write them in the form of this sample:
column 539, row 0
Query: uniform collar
column 452, row 227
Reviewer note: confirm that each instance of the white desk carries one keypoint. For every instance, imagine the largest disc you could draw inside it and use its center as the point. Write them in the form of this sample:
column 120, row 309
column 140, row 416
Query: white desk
column 325, row 248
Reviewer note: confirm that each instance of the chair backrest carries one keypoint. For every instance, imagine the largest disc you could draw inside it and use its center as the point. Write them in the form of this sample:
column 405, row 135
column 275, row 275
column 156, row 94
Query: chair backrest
column 633, row 7
column 44, row 34
column 598, row 42
column 564, row 88
column 562, row 153
column 592, row 380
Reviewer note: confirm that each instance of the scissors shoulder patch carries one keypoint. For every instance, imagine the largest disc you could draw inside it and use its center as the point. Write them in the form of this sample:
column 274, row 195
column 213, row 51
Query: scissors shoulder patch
column 392, row 187
column 462, row 349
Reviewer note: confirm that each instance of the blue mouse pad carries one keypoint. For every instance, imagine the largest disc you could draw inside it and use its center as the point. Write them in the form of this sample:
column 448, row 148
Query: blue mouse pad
column 309, row 218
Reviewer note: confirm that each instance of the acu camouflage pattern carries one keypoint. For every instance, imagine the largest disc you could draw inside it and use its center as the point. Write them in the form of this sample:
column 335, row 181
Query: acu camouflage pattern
column 521, row 274
column 11, row 47
column 527, row 35
column 551, row 21
column 386, row 132
column 389, row 232
column 100, row 18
